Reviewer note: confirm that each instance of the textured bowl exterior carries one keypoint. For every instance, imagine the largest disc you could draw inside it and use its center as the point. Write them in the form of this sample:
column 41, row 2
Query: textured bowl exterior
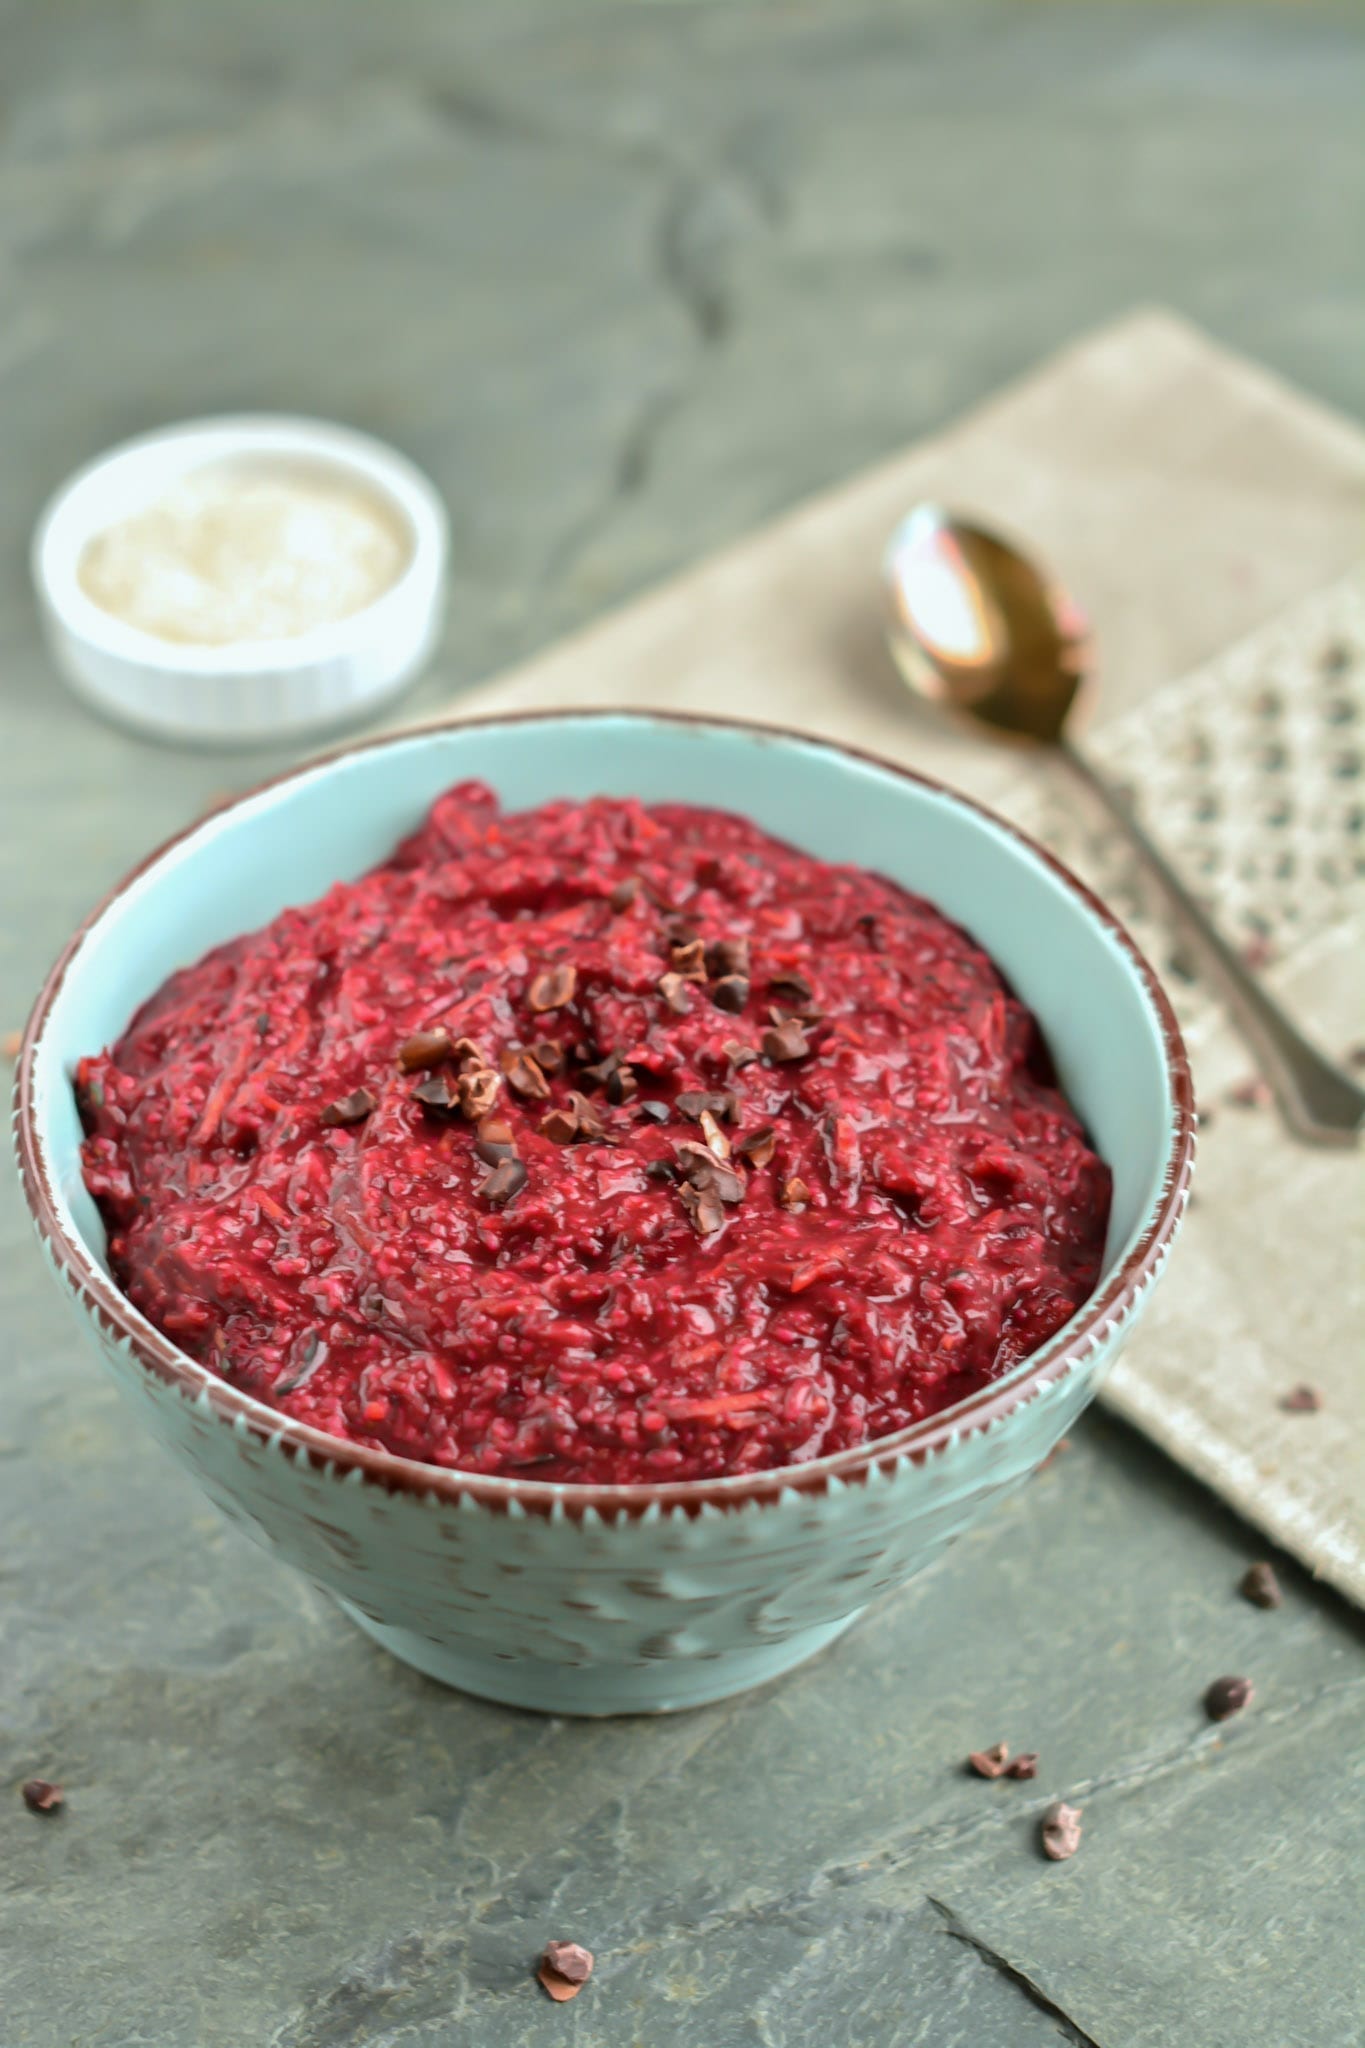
column 603, row 1600
column 588, row 1613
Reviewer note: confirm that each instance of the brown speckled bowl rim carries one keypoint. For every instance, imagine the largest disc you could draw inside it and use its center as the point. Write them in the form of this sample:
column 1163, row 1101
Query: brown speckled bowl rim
column 116, row 1317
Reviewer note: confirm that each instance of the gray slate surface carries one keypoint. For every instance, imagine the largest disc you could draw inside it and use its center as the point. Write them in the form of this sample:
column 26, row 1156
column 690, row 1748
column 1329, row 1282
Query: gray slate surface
column 626, row 279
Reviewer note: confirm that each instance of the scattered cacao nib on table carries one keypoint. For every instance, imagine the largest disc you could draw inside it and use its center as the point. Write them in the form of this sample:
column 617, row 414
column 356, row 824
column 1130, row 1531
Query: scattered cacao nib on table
column 564, row 1968
column 40, row 1795
column 996, row 1762
column 1060, row 1831
column 1260, row 1586
column 1228, row 1696
column 1301, row 1400
column 990, row 1763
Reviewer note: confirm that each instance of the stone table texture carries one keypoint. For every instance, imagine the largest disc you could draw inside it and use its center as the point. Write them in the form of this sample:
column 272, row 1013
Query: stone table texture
column 627, row 279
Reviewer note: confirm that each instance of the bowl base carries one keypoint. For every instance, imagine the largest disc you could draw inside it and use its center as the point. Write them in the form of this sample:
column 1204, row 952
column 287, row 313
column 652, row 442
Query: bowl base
column 667, row 1687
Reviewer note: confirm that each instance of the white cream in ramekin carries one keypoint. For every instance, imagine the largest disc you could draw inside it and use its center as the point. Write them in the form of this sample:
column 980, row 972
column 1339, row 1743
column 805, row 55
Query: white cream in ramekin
column 134, row 562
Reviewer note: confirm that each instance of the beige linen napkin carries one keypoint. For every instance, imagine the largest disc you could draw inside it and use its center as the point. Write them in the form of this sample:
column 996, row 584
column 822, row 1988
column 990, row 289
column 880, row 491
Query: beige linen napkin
column 1189, row 500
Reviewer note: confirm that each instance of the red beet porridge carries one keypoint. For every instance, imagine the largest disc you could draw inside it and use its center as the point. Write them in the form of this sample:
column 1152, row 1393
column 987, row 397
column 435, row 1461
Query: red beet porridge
column 604, row 1142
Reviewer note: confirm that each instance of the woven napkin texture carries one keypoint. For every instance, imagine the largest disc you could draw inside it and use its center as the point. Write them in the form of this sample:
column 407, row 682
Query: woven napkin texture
column 1207, row 518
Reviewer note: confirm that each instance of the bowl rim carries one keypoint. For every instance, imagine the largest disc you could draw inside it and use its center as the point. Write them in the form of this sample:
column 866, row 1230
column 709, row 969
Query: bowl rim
column 1106, row 1309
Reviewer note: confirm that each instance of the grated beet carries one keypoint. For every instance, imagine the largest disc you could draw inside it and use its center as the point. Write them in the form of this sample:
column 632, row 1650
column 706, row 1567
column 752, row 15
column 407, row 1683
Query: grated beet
column 919, row 1208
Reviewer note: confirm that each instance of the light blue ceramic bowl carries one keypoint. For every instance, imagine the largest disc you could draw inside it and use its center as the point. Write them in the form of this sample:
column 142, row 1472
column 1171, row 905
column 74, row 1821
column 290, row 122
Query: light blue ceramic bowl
column 599, row 1600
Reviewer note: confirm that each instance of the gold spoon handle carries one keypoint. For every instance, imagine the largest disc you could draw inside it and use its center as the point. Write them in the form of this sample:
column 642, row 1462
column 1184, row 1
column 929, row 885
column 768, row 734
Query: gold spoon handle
column 1318, row 1102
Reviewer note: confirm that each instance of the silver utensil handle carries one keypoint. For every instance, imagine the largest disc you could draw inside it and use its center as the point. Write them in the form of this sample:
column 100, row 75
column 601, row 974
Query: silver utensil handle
column 1318, row 1102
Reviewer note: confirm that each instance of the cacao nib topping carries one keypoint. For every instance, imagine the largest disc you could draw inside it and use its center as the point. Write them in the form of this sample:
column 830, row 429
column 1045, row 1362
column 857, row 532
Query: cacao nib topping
column 553, row 987
column 1227, row 1696
column 468, row 1054
column 625, row 893
column 622, row 1086
column 673, row 989
column 785, row 1042
column 661, row 1169
column 687, row 957
column 726, row 957
column 560, row 1126
column 653, row 1111
column 548, row 1056
column 794, row 1194
column 699, row 1165
column 524, row 1076
column 590, row 1124
column 992, row 1762
column 350, row 1109
column 40, row 1795
column 437, row 1095
column 424, row 1049
column 757, row 1147
column 496, row 1141
column 478, row 1088
column 699, row 1102
column 504, row 1183
column 1060, row 1830
column 739, row 1054
column 790, row 988
column 716, row 1140
column 703, row 1206
column 783, row 1013
column 600, row 1072
column 730, row 993
column 1260, row 1586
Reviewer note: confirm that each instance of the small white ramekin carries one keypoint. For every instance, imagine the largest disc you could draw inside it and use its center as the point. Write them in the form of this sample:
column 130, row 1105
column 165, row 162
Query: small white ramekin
column 258, row 690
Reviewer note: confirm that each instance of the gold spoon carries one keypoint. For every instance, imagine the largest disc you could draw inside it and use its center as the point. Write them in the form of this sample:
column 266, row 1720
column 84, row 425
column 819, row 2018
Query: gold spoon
column 976, row 629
